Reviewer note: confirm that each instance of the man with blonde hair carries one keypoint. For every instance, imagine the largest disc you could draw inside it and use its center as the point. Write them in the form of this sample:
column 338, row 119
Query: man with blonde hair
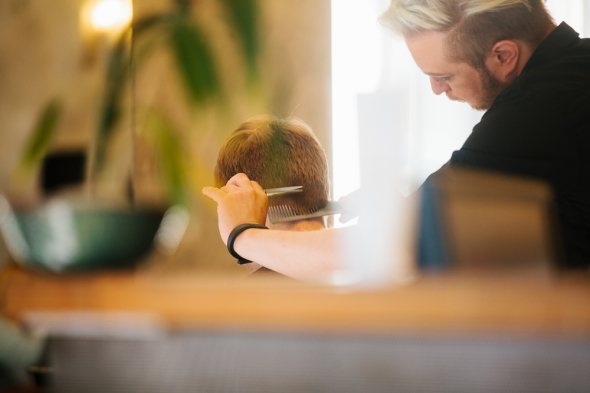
column 506, row 57
column 277, row 153
column 533, row 78
column 493, row 38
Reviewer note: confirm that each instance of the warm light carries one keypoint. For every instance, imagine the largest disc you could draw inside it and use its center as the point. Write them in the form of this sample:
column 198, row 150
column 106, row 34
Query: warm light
column 111, row 14
column 108, row 16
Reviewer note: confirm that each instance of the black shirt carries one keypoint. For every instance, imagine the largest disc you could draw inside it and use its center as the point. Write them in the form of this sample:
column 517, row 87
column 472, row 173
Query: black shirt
column 539, row 126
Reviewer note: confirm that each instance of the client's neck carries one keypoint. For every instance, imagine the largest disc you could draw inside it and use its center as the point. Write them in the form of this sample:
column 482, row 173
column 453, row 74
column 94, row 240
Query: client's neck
column 312, row 224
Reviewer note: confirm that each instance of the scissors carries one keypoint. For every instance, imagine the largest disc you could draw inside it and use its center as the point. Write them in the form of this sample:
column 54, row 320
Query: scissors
column 283, row 190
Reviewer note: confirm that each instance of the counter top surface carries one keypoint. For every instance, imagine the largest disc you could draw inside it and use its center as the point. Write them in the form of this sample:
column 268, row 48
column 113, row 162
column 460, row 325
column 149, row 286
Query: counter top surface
column 433, row 304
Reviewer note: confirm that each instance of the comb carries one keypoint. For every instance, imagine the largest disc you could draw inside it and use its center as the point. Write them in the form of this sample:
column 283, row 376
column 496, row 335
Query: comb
column 284, row 213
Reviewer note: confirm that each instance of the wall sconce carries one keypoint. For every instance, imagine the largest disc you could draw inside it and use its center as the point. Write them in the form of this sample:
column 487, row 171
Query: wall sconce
column 101, row 21
column 105, row 17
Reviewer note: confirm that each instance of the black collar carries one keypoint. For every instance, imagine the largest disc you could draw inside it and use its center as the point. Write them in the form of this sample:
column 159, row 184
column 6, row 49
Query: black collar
column 557, row 41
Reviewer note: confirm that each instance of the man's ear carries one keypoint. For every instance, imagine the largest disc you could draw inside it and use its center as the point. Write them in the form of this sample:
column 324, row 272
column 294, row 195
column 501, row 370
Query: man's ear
column 503, row 59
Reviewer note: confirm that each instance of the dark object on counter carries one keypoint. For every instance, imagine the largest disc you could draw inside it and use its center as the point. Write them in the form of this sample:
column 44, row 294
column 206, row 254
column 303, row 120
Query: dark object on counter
column 42, row 376
column 62, row 169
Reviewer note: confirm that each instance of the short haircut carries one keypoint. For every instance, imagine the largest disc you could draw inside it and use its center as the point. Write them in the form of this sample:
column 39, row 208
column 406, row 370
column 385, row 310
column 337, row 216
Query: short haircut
column 473, row 26
column 277, row 153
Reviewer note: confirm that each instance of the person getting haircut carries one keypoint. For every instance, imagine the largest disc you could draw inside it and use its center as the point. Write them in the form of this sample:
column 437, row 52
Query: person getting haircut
column 278, row 153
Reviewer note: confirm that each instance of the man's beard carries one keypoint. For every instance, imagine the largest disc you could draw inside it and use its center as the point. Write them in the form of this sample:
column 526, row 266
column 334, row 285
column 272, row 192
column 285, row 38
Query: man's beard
column 490, row 88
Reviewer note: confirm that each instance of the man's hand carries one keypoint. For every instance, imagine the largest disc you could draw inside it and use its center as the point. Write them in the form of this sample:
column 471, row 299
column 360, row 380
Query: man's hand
column 240, row 201
column 351, row 203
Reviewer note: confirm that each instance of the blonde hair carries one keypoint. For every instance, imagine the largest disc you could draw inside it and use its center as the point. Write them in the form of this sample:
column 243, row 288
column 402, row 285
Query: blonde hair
column 473, row 26
column 277, row 153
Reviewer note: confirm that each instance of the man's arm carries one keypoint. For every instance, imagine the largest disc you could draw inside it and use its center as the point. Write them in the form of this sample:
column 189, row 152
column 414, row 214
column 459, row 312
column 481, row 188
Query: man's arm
column 301, row 255
column 306, row 255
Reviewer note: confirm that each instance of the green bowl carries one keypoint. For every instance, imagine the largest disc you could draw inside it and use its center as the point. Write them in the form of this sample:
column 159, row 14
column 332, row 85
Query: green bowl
column 64, row 237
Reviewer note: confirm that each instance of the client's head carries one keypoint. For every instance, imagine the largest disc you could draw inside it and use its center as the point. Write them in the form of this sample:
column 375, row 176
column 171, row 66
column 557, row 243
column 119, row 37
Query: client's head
column 277, row 153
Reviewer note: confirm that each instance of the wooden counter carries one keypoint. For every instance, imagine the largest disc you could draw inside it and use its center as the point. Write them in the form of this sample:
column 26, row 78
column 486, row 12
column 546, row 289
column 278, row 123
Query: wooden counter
column 437, row 304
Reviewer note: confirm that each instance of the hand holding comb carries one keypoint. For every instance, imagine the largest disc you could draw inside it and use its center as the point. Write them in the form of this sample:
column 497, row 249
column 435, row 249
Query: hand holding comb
column 285, row 213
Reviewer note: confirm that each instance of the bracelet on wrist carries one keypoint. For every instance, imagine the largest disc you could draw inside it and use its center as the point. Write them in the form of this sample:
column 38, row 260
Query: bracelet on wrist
column 232, row 238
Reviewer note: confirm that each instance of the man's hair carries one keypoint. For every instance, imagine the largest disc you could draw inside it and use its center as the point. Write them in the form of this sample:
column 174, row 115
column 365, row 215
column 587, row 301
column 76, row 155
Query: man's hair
column 473, row 26
column 277, row 153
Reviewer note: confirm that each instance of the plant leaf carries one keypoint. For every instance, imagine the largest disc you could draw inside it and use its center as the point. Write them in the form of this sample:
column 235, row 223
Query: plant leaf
column 118, row 69
column 164, row 139
column 116, row 78
column 244, row 14
column 42, row 135
column 145, row 24
column 194, row 60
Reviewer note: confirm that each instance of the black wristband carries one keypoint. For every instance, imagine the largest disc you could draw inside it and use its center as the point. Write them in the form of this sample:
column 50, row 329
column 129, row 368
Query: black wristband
column 232, row 238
